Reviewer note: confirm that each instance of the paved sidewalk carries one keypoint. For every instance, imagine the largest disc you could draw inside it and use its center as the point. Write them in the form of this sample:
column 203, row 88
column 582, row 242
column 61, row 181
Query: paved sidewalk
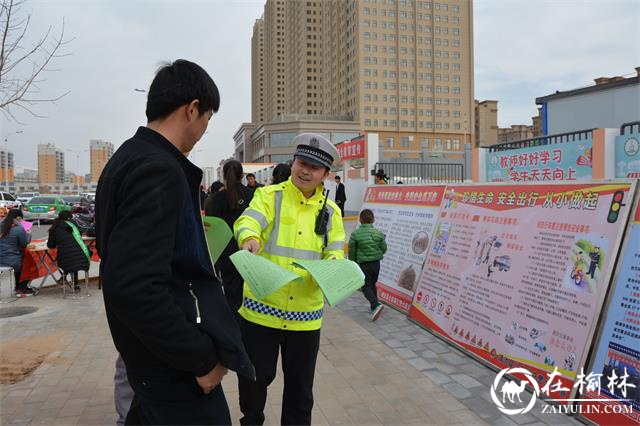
column 461, row 376
column 389, row 372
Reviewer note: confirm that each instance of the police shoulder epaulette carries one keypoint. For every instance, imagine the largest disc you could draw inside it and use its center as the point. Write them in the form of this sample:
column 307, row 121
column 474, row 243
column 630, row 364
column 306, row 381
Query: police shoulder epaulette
column 269, row 189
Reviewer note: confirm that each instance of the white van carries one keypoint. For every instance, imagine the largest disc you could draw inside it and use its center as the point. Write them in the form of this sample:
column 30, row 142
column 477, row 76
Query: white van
column 25, row 197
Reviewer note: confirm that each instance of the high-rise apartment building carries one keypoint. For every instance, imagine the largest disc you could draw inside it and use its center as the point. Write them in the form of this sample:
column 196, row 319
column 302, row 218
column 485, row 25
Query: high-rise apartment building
column 50, row 164
column 7, row 169
column 257, row 73
column 274, row 58
column 400, row 68
column 101, row 151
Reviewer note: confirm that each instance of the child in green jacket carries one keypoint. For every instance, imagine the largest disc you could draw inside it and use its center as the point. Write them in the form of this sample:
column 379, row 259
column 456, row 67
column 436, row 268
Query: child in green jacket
column 367, row 247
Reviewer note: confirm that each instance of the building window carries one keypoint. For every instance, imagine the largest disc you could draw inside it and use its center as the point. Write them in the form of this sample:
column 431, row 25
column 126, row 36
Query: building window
column 390, row 142
column 404, row 142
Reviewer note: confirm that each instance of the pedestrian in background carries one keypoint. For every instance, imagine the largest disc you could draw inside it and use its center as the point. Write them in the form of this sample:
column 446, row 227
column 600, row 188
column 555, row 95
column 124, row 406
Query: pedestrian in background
column 252, row 183
column 341, row 195
column 281, row 173
column 215, row 187
column 229, row 205
column 367, row 247
column 73, row 254
column 13, row 240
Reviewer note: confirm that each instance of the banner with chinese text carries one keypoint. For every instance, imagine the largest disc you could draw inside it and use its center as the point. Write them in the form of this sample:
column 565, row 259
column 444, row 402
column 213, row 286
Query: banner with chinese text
column 562, row 161
column 616, row 360
column 406, row 214
column 352, row 149
column 516, row 274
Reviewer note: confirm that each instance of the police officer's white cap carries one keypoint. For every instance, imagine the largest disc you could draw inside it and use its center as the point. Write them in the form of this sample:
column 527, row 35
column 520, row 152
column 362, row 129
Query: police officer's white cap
column 315, row 149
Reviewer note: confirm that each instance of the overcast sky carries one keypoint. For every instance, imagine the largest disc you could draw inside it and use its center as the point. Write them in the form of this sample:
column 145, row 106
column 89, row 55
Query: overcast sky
column 523, row 49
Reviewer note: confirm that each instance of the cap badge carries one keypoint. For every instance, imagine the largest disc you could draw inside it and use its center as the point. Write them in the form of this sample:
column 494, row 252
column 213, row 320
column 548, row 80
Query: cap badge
column 314, row 143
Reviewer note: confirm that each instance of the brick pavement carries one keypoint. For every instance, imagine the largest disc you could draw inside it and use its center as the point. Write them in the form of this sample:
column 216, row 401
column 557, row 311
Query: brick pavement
column 389, row 372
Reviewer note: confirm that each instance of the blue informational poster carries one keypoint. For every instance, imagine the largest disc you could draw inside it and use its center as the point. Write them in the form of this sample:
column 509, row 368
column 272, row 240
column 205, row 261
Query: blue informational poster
column 628, row 156
column 562, row 161
column 617, row 355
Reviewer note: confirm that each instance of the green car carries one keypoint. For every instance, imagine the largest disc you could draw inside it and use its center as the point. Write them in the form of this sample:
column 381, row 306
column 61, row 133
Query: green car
column 44, row 207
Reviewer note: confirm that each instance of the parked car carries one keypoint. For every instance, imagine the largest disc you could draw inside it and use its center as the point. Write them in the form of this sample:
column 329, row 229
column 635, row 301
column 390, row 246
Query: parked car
column 91, row 196
column 25, row 197
column 78, row 204
column 45, row 207
column 8, row 201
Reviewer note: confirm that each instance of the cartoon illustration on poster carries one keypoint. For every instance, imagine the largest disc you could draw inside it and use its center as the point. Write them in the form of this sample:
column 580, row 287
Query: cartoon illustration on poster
column 587, row 259
column 407, row 215
column 516, row 274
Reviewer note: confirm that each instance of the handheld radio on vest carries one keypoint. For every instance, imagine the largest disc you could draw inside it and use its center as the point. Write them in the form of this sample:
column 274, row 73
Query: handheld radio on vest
column 322, row 220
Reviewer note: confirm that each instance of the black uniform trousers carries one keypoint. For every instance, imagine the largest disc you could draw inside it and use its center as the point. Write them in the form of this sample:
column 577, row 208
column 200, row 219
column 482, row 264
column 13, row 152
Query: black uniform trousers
column 299, row 353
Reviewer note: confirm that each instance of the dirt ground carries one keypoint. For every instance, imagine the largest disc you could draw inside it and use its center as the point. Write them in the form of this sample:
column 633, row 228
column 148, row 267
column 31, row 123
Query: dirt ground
column 20, row 357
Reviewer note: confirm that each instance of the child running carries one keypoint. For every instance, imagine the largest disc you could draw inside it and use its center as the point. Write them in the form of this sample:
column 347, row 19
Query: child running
column 367, row 247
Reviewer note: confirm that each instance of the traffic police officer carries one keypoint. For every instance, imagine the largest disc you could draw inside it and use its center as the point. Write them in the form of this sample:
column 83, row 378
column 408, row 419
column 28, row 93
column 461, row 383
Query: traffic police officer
column 282, row 225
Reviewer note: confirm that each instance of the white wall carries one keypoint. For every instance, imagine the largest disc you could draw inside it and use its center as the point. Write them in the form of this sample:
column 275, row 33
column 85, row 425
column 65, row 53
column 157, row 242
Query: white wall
column 602, row 109
column 355, row 194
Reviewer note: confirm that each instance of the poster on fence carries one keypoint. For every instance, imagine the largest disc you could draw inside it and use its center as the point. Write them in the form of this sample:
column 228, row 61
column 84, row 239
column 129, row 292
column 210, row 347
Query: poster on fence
column 628, row 155
column 517, row 274
column 562, row 161
column 406, row 214
column 616, row 359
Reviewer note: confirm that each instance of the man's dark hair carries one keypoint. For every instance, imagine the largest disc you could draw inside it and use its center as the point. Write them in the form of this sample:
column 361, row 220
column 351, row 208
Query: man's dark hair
column 248, row 175
column 337, row 177
column 178, row 84
column 366, row 216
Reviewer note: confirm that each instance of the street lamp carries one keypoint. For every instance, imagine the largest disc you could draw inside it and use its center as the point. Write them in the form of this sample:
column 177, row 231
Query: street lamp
column 77, row 153
column 7, row 185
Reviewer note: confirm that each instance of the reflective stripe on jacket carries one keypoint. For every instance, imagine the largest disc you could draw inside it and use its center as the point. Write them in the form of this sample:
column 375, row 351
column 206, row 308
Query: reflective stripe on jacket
column 283, row 221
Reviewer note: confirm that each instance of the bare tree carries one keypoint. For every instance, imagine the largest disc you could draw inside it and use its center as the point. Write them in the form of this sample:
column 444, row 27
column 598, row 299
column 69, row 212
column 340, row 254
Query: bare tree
column 23, row 67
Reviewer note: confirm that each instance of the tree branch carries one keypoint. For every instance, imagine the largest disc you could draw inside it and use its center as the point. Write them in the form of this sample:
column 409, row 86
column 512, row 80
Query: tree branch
column 15, row 89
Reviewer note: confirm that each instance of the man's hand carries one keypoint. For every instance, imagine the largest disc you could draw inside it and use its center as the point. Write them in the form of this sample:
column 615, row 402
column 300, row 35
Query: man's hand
column 251, row 245
column 212, row 378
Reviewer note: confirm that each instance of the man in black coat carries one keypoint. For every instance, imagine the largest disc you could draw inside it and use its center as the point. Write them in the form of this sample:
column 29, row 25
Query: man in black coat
column 341, row 196
column 166, row 310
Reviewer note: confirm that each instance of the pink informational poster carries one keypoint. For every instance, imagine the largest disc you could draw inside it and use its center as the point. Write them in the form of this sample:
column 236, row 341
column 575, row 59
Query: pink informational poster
column 517, row 274
column 26, row 225
column 406, row 214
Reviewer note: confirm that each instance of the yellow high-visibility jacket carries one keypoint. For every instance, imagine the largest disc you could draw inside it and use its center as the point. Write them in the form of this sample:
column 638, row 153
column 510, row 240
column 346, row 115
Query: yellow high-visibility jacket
column 283, row 221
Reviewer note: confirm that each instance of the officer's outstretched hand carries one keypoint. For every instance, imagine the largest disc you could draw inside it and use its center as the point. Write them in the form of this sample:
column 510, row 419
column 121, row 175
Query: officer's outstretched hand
column 251, row 245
